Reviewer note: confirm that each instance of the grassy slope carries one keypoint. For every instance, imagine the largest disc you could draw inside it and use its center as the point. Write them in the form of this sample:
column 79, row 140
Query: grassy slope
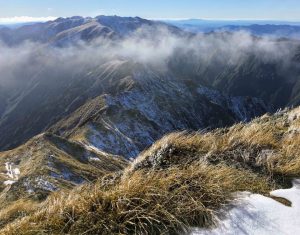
column 48, row 158
column 181, row 181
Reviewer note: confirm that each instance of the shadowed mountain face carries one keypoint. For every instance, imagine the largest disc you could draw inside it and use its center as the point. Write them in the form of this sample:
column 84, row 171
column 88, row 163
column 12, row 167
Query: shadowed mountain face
column 81, row 96
column 118, row 84
column 276, row 83
column 134, row 105
column 152, row 104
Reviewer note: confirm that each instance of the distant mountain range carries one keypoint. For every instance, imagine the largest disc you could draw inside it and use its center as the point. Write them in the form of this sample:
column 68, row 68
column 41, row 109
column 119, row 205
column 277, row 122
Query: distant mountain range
column 127, row 103
column 259, row 28
column 66, row 30
column 81, row 97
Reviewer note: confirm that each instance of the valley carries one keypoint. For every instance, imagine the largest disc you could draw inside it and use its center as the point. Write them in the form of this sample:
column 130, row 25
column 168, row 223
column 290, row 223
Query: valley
column 123, row 125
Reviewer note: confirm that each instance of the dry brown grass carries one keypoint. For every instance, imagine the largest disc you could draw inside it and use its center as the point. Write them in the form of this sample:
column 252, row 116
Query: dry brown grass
column 17, row 210
column 155, row 202
column 268, row 144
column 181, row 181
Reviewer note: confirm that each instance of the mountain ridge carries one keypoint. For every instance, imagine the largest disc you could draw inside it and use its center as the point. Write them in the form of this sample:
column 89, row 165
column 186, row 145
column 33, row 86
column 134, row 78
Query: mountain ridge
column 205, row 167
column 113, row 123
column 39, row 98
column 64, row 31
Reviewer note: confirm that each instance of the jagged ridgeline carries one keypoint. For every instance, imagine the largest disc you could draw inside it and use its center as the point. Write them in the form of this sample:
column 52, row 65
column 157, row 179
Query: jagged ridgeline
column 82, row 98
column 178, row 183
column 149, row 79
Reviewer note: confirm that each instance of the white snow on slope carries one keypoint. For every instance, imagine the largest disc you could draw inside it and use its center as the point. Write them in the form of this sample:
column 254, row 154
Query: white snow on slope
column 255, row 214
column 93, row 148
column 12, row 172
column 9, row 182
column 45, row 185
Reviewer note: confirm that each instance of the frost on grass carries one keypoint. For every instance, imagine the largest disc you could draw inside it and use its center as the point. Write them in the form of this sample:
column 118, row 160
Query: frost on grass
column 39, row 183
column 255, row 214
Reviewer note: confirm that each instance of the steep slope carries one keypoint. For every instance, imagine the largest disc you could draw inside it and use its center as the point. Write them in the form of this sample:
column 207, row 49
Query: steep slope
column 65, row 31
column 47, row 164
column 272, row 78
column 41, row 32
column 86, row 32
column 124, row 26
column 158, row 88
column 144, row 101
column 270, row 82
column 182, row 181
column 157, row 103
column 3, row 97
column 47, row 97
column 111, row 106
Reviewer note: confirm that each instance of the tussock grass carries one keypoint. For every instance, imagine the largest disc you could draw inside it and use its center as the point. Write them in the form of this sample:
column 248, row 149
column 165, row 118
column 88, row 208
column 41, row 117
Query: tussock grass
column 18, row 209
column 154, row 202
column 269, row 145
column 178, row 183
column 56, row 161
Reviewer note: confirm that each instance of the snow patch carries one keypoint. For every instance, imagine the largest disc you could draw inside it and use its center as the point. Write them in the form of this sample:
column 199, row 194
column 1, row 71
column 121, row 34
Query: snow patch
column 9, row 182
column 45, row 185
column 68, row 175
column 242, row 107
column 94, row 159
column 294, row 114
column 39, row 183
column 254, row 214
column 12, row 172
column 93, row 148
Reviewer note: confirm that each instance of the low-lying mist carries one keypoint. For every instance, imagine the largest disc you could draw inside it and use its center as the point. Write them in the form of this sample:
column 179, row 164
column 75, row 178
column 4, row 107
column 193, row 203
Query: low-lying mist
column 158, row 47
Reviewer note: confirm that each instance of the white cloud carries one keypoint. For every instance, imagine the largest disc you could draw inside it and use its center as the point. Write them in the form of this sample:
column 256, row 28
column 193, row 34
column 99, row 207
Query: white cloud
column 171, row 19
column 25, row 19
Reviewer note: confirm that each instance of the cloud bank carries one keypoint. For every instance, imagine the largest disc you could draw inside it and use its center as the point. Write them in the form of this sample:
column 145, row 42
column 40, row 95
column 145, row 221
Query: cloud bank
column 25, row 19
column 155, row 47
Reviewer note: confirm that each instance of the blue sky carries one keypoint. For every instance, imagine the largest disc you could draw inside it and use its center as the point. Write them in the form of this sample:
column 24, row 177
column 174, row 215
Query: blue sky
column 204, row 9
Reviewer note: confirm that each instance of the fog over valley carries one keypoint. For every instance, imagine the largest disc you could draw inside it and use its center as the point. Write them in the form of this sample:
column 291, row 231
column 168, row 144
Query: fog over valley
column 124, row 125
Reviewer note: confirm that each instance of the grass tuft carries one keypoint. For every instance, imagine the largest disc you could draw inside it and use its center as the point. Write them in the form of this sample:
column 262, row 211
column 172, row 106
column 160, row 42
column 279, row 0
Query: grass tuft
column 180, row 182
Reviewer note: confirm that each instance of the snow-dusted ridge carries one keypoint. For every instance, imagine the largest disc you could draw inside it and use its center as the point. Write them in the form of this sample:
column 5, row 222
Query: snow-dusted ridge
column 254, row 214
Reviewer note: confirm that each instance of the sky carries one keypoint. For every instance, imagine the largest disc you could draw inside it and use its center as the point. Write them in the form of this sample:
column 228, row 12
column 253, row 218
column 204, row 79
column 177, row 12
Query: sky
column 31, row 10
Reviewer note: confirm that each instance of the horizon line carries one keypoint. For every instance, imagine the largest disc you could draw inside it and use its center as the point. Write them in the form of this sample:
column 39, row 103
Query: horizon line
column 30, row 19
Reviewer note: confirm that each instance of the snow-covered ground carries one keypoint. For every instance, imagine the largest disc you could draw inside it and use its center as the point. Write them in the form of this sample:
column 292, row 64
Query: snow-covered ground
column 12, row 172
column 9, row 182
column 40, row 182
column 255, row 214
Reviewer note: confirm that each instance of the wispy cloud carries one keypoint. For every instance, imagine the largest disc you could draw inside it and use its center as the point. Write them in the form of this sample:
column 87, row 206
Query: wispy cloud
column 25, row 19
column 158, row 47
